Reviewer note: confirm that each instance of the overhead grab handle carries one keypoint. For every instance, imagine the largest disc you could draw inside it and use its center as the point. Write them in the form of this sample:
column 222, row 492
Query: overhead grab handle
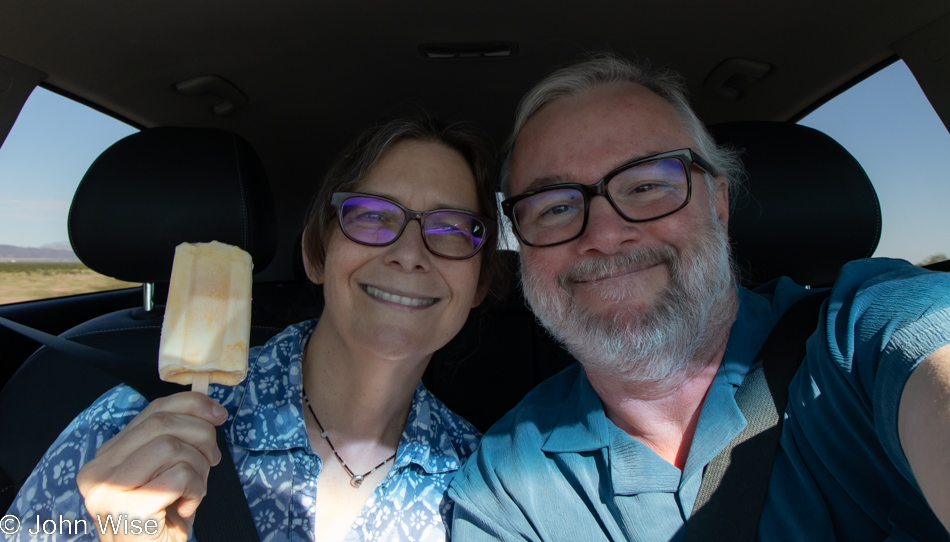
column 225, row 98
column 734, row 76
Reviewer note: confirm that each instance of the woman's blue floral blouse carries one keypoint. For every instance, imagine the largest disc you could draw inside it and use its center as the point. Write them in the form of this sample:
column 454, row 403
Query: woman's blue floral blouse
column 273, row 457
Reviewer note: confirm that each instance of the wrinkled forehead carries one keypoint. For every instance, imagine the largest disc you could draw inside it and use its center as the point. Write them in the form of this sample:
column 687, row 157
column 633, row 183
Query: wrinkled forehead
column 579, row 138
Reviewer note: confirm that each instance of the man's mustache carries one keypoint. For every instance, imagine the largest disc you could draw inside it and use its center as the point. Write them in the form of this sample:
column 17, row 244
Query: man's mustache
column 592, row 269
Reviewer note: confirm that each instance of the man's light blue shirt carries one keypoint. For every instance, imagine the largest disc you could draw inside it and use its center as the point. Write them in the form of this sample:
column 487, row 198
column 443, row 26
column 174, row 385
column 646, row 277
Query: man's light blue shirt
column 555, row 468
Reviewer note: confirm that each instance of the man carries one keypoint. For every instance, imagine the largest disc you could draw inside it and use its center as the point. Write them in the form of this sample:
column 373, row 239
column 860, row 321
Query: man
column 629, row 268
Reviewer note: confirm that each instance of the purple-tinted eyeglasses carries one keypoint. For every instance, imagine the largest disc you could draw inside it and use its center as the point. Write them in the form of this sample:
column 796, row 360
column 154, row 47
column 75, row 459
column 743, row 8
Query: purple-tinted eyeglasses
column 376, row 221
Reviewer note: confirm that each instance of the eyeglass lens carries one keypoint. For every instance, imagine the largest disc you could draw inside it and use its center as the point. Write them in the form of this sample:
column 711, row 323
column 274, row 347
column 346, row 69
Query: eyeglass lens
column 376, row 222
column 642, row 192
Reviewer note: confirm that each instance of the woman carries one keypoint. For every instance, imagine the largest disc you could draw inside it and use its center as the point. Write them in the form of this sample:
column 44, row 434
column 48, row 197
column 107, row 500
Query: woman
column 333, row 435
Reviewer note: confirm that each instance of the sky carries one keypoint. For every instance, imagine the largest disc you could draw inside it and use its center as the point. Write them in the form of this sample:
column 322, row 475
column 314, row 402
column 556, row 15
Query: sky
column 42, row 161
column 889, row 126
column 886, row 122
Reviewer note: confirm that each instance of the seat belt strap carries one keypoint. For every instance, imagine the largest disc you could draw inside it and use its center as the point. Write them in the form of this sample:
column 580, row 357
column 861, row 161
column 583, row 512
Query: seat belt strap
column 223, row 514
column 735, row 483
column 119, row 366
column 223, row 518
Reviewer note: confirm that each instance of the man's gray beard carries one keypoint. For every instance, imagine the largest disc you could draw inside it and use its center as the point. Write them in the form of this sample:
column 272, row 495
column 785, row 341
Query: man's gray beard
column 692, row 315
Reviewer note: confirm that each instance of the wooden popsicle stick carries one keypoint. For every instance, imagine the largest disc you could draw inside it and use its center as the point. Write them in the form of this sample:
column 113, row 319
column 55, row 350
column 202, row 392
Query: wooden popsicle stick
column 200, row 382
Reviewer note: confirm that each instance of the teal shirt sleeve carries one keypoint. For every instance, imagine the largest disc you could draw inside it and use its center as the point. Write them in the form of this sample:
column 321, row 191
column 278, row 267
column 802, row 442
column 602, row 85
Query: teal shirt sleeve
column 884, row 318
column 840, row 463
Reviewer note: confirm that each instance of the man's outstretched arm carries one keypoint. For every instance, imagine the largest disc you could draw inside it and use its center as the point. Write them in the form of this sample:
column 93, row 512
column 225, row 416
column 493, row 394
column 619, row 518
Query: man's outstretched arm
column 924, row 428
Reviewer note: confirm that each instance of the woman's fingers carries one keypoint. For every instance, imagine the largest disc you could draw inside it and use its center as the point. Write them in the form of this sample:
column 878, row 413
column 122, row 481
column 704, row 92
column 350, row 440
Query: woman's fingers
column 187, row 416
column 145, row 464
column 164, row 429
column 187, row 402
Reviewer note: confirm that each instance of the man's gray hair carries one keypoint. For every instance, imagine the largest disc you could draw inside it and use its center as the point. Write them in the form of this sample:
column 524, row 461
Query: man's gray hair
column 607, row 69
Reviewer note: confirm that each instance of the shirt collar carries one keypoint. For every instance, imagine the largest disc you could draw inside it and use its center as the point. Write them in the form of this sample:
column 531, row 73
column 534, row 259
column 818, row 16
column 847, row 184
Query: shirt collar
column 425, row 439
column 581, row 425
column 269, row 412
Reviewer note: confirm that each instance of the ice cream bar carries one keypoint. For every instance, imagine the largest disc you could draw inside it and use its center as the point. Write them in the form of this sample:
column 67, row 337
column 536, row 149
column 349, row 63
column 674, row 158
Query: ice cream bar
column 207, row 323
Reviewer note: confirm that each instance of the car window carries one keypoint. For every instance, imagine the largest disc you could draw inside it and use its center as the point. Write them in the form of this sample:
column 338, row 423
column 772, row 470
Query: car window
column 889, row 126
column 48, row 150
column 506, row 238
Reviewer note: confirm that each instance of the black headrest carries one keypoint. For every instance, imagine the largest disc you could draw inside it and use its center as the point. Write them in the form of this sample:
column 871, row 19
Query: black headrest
column 809, row 208
column 160, row 187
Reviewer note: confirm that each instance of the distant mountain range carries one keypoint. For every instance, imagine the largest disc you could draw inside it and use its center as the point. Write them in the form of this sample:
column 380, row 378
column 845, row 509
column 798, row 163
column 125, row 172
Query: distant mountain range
column 53, row 252
column 59, row 245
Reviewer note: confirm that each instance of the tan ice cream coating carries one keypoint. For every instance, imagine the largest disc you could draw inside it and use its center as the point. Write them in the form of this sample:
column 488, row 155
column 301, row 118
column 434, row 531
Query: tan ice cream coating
column 207, row 317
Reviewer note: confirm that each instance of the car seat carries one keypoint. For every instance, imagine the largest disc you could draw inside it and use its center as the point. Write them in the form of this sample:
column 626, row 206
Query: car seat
column 142, row 197
column 806, row 209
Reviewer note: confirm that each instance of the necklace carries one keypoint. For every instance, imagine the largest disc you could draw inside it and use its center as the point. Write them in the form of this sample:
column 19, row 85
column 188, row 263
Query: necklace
column 356, row 480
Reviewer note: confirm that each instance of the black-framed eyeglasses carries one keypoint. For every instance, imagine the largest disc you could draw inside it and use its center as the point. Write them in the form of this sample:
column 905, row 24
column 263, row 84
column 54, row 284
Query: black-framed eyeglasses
column 376, row 221
column 642, row 190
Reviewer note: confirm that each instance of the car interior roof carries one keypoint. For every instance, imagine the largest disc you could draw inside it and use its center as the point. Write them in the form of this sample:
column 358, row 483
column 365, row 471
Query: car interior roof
column 314, row 74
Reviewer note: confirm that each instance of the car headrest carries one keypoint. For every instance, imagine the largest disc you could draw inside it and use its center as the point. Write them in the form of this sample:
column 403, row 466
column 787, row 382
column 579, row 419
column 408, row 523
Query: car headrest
column 808, row 207
column 160, row 187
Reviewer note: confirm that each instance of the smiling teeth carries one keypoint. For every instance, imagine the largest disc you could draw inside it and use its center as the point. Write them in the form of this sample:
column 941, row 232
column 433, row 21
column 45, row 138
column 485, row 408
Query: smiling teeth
column 402, row 300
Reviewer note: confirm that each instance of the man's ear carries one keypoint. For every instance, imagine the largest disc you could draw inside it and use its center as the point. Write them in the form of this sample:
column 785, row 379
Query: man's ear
column 314, row 273
column 722, row 201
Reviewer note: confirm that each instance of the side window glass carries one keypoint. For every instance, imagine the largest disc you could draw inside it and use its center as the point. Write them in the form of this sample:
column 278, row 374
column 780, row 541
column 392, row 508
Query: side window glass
column 42, row 161
column 506, row 238
column 889, row 126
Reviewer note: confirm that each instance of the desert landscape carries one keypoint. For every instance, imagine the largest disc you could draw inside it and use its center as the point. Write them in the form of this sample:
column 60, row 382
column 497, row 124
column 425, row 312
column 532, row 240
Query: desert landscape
column 52, row 271
column 26, row 281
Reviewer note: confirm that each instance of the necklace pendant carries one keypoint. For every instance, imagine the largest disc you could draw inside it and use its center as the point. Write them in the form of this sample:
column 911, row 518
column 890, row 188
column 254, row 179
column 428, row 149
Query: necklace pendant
column 356, row 481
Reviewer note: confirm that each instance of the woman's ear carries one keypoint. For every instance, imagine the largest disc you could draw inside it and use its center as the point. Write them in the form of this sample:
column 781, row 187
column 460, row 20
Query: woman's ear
column 314, row 273
column 480, row 294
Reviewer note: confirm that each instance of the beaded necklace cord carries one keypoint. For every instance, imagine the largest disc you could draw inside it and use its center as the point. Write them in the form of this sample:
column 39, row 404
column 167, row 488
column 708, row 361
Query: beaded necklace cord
column 356, row 480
